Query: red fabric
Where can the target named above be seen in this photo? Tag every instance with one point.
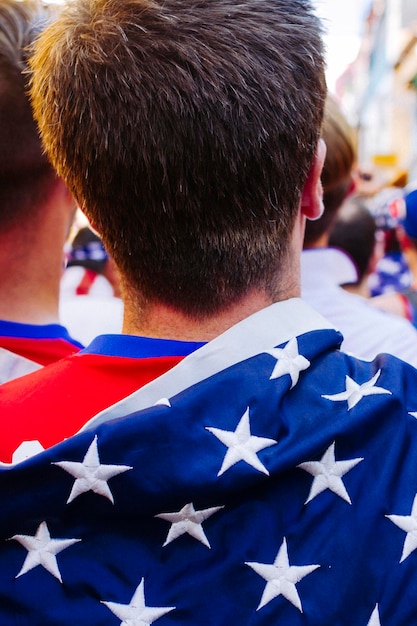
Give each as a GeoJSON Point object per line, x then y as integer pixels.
{"type": "Point", "coordinates": [42, 351]}
{"type": "Point", "coordinates": [55, 402]}
{"type": "Point", "coordinates": [85, 283]}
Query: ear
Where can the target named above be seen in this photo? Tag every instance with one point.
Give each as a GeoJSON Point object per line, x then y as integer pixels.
{"type": "Point", "coordinates": [312, 197]}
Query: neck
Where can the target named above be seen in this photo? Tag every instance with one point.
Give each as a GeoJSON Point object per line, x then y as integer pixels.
{"type": "Point", "coordinates": [158, 320]}
{"type": "Point", "coordinates": [31, 263]}
{"type": "Point", "coordinates": [161, 321]}
{"type": "Point", "coordinates": [30, 298]}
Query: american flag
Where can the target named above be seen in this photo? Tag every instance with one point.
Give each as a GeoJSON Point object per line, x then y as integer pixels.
{"type": "Point", "coordinates": [24, 348]}
{"type": "Point", "coordinates": [13, 365]}
{"type": "Point", "coordinates": [279, 490]}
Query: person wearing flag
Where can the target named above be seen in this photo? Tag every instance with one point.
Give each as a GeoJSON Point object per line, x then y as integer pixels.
{"type": "Point", "coordinates": [255, 474]}
{"type": "Point", "coordinates": [36, 212]}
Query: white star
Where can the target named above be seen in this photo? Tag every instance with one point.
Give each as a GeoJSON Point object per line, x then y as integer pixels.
{"type": "Point", "coordinates": [374, 621]}
{"type": "Point", "coordinates": [355, 392]}
{"type": "Point", "coordinates": [136, 613]}
{"type": "Point", "coordinates": [90, 474]}
{"type": "Point", "coordinates": [42, 550]}
{"type": "Point", "coordinates": [242, 446]}
{"type": "Point", "coordinates": [408, 523]}
{"type": "Point", "coordinates": [328, 474]}
{"type": "Point", "coordinates": [281, 578]}
{"type": "Point", "coordinates": [413, 413]}
{"type": "Point", "coordinates": [189, 521]}
{"type": "Point", "coordinates": [289, 361]}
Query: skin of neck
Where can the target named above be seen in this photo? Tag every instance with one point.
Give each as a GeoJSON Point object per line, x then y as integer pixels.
{"type": "Point", "coordinates": [31, 261]}
{"type": "Point", "coordinates": [158, 320]}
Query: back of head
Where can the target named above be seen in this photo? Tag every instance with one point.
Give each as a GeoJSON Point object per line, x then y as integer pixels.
{"type": "Point", "coordinates": [354, 232]}
{"type": "Point", "coordinates": [337, 170]}
{"type": "Point", "coordinates": [185, 129]}
{"type": "Point", "coordinates": [24, 168]}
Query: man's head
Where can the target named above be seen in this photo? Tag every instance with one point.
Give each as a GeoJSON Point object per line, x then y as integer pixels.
{"type": "Point", "coordinates": [25, 173]}
{"type": "Point", "coordinates": [186, 130]}
{"type": "Point", "coordinates": [337, 170]}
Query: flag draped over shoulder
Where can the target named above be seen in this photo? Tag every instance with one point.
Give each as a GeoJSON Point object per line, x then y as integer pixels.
{"type": "Point", "coordinates": [280, 490]}
{"type": "Point", "coordinates": [13, 365]}
{"type": "Point", "coordinates": [24, 348]}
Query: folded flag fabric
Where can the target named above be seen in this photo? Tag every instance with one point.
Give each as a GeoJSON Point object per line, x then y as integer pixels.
{"type": "Point", "coordinates": [24, 348]}
{"type": "Point", "coordinates": [279, 490]}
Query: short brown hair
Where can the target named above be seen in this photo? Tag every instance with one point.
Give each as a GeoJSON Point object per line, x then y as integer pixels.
{"type": "Point", "coordinates": [185, 129]}
{"type": "Point", "coordinates": [25, 172]}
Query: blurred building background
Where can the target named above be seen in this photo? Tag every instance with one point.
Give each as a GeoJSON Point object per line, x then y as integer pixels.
{"type": "Point", "coordinates": [378, 90]}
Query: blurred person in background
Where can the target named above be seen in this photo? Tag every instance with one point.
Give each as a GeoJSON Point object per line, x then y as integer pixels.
{"type": "Point", "coordinates": [89, 269]}
{"type": "Point", "coordinates": [402, 301]}
{"type": "Point", "coordinates": [366, 330]}
{"type": "Point", "coordinates": [355, 233]}
{"type": "Point", "coordinates": [36, 211]}
{"type": "Point", "coordinates": [90, 296]}
{"type": "Point", "coordinates": [392, 273]}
